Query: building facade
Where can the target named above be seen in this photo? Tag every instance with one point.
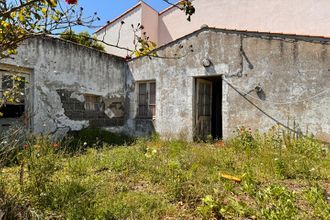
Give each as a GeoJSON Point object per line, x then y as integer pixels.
{"type": "Point", "coordinates": [206, 83]}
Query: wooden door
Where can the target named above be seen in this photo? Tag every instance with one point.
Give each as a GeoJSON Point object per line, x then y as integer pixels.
{"type": "Point", "coordinates": [203, 108]}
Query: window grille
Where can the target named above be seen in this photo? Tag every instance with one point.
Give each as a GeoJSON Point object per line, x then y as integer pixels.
{"type": "Point", "coordinates": [147, 99]}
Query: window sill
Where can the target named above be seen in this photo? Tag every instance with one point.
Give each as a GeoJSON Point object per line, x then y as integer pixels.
{"type": "Point", "coordinates": [146, 117]}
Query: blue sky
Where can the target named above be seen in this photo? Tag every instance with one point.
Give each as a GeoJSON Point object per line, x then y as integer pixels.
{"type": "Point", "coordinates": [110, 9]}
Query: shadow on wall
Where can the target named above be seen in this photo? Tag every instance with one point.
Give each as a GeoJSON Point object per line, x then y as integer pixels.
{"type": "Point", "coordinates": [144, 126]}
{"type": "Point", "coordinates": [91, 137]}
{"type": "Point", "coordinates": [164, 36]}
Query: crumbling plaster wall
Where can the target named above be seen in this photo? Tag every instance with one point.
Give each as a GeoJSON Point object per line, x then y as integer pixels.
{"type": "Point", "coordinates": [287, 69]}
{"type": "Point", "coordinates": [66, 71]}
{"type": "Point", "coordinates": [294, 76]}
{"type": "Point", "coordinates": [292, 72]}
{"type": "Point", "coordinates": [174, 76]}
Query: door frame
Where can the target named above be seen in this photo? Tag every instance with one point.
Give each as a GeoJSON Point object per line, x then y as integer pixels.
{"type": "Point", "coordinates": [28, 73]}
{"type": "Point", "coordinates": [196, 105]}
{"type": "Point", "coordinates": [212, 79]}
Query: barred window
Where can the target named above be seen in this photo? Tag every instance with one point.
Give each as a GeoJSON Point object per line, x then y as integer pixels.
{"type": "Point", "coordinates": [15, 84]}
{"type": "Point", "coordinates": [147, 99]}
{"type": "Point", "coordinates": [92, 102]}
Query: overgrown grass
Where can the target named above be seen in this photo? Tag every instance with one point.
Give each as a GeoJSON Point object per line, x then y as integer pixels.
{"type": "Point", "coordinates": [95, 138]}
{"type": "Point", "coordinates": [277, 177]}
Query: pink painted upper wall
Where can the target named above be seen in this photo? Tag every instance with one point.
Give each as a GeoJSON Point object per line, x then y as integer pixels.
{"type": "Point", "coordinates": [116, 33]}
{"type": "Point", "coordinates": [150, 22]}
{"type": "Point", "coordinates": [301, 17]}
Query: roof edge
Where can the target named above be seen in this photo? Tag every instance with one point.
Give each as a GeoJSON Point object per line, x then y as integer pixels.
{"type": "Point", "coordinates": [76, 44]}
{"type": "Point", "coordinates": [309, 38]}
{"type": "Point", "coordinates": [139, 4]}
{"type": "Point", "coordinates": [148, 5]}
{"type": "Point", "coordinates": [253, 33]}
{"type": "Point", "coordinates": [125, 13]}
{"type": "Point", "coordinates": [170, 7]}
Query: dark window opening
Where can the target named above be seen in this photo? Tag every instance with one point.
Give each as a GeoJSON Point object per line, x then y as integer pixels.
{"type": "Point", "coordinates": [7, 82]}
{"type": "Point", "coordinates": [93, 103]}
{"type": "Point", "coordinates": [15, 85]}
{"type": "Point", "coordinates": [12, 111]}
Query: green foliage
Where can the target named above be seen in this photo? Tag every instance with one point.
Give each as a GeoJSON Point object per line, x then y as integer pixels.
{"type": "Point", "coordinates": [145, 47]}
{"type": "Point", "coordinates": [42, 163]}
{"type": "Point", "coordinates": [210, 208]}
{"type": "Point", "coordinates": [276, 202]}
{"type": "Point", "coordinates": [244, 139]}
{"type": "Point", "coordinates": [155, 179]}
{"type": "Point", "coordinates": [20, 20]}
{"type": "Point", "coordinates": [11, 209]}
{"type": "Point", "coordinates": [11, 146]}
{"type": "Point", "coordinates": [316, 197]}
{"type": "Point", "coordinates": [135, 205]}
{"type": "Point", "coordinates": [188, 8]}
{"type": "Point", "coordinates": [83, 38]}
{"type": "Point", "coordinates": [95, 137]}
{"type": "Point", "coordinates": [25, 19]}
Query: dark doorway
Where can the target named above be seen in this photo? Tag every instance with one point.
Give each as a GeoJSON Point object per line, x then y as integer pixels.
{"type": "Point", "coordinates": [217, 108]}
{"type": "Point", "coordinates": [208, 108]}
{"type": "Point", "coordinates": [12, 111]}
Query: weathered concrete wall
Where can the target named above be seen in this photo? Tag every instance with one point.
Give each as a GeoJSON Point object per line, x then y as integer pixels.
{"type": "Point", "coordinates": [293, 73]}
{"type": "Point", "coordinates": [63, 73]}
{"type": "Point", "coordinates": [295, 80]}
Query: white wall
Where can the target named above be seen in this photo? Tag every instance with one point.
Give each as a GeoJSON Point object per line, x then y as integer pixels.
{"type": "Point", "coordinates": [110, 34]}
{"type": "Point", "coordinates": [59, 65]}
{"type": "Point", "coordinates": [140, 13]}
{"type": "Point", "coordinates": [302, 17]}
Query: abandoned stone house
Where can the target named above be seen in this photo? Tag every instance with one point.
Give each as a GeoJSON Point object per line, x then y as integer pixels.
{"type": "Point", "coordinates": [207, 82]}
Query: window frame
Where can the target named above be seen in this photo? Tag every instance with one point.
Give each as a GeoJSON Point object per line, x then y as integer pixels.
{"type": "Point", "coordinates": [25, 76]}
{"type": "Point", "coordinates": [151, 103]}
{"type": "Point", "coordinates": [27, 73]}
{"type": "Point", "coordinates": [92, 102]}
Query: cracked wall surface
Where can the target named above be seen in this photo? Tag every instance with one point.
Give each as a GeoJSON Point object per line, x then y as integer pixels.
{"type": "Point", "coordinates": [108, 112]}
{"type": "Point", "coordinates": [63, 68]}
{"type": "Point", "coordinates": [292, 72]}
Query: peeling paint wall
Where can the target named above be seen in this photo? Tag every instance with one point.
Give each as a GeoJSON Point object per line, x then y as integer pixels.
{"type": "Point", "coordinates": [62, 73]}
{"type": "Point", "coordinates": [293, 74]}
{"type": "Point", "coordinates": [286, 77]}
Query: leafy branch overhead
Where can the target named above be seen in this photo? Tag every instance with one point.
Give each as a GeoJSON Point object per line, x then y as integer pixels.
{"type": "Point", "coordinates": [184, 5]}
{"type": "Point", "coordinates": [143, 46]}
{"type": "Point", "coordinates": [188, 8]}
{"type": "Point", "coordinates": [24, 19]}
{"type": "Point", "coordinates": [83, 38]}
